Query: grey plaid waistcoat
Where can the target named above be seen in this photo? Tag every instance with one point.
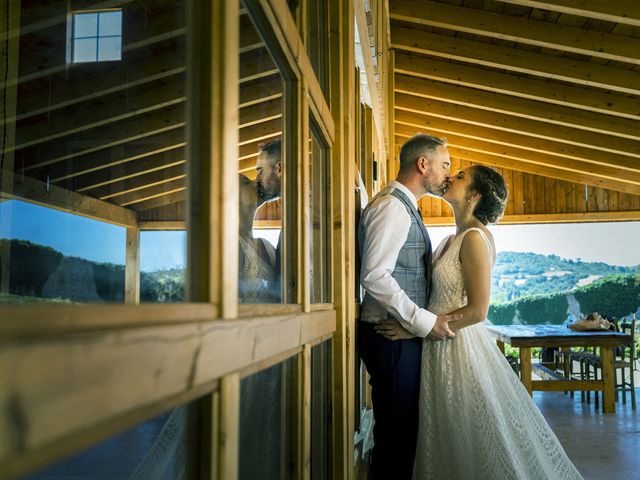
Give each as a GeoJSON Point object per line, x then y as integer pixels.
{"type": "Point", "coordinates": [413, 266]}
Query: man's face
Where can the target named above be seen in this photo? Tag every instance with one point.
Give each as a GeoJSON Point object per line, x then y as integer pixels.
{"type": "Point", "coordinates": [436, 176]}
{"type": "Point", "coordinates": [269, 178]}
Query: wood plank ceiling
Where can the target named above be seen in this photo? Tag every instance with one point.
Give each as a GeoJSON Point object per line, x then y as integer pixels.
{"type": "Point", "coordinates": [525, 85]}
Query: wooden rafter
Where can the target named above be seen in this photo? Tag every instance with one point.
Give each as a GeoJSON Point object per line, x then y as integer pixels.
{"type": "Point", "coordinates": [617, 11]}
{"type": "Point", "coordinates": [409, 123]}
{"type": "Point", "coordinates": [510, 123]}
{"type": "Point", "coordinates": [518, 86]}
{"type": "Point", "coordinates": [519, 107]}
{"type": "Point", "coordinates": [524, 61]}
{"type": "Point", "coordinates": [516, 29]}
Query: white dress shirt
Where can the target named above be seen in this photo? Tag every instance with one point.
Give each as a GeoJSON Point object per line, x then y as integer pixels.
{"type": "Point", "coordinates": [384, 229]}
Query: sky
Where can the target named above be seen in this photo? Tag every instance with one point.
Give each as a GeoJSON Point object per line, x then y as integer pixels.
{"type": "Point", "coordinates": [613, 243]}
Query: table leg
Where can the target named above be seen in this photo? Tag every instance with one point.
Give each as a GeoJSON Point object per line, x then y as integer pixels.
{"type": "Point", "coordinates": [500, 346]}
{"type": "Point", "coordinates": [608, 372]}
{"type": "Point", "coordinates": [525, 368]}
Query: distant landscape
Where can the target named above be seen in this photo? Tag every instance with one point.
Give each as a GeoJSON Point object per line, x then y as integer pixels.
{"type": "Point", "coordinates": [527, 288]}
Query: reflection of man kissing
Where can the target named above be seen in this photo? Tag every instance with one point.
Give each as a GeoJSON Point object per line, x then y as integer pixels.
{"type": "Point", "coordinates": [256, 259]}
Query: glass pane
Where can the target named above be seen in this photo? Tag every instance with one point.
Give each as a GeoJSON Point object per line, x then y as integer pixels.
{"type": "Point", "coordinates": [162, 266]}
{"type": "Point", "coordinates": [84, 50]}
{"type": "Point", "coordinates": [261, 170]}
{"type": "Point", "coordinates": [320, 236]}
{"type": "Point", "coordinates": [109, 48]}
{"type": "Point", "coordinates": [266, 423]}
{"type": "Point", "coordinates": [90, 151]}
{"type": "Point", "coordinates": [163, 448]}
{"type": "Point", "coordinates": [317, 40]}
{"type": "Point", "coordinates": [321, 451]}
{"type": "Point", "coordinates": [110, 23]}
{"type": "Point", "coordinates": [85, 25]}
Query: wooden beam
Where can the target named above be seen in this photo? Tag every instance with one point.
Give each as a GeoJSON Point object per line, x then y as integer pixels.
{"type": "Point", "coordinates": [509, 123]}
{"type": "Point", "coordinates": [255, 67]}
{"type": "Point", "coordinates": [129, 131]}
{"type": "Point", "coordinates": [161, 200]}
{"type": "Point", "coordinates": [260, 113]}
{"type": "Point", "coordinates": [132, 267]}
{"type": "Point", "coordinates": [155, 365]}
{"type": "Point", "coordinates": [104, 115]}
{"type": "Point", "coordinates": [99, 165]}
{"type": "Point", "coordinates": [68, 92]}
{"type": "Point", "coordinates": [409, 123]}
{"type": "Point", "coordinates": [270, 88]}
{"type": "Point", "coordinates": [229, 422]}
{"type": "Point", "coordinates": [518, 86]}
{"type": "Point", "coordinates": [260, 131]}
{"type": "Point", "coordinates": [48, 71]}
{"type": "Point", "coordinates": [517, 29]}
{"type": "Point", "coordinates": [52, 196]}
{"type": "Point", "coordinates": [150, 225]}
{"type": "Point", "coordinates": [539, 158]}
{"type": "Point", "coordinates": [520, 107]}
{"type": "Point", "coordinates": [139, 186]}
{"type": "Point", "coordinates": [160, 189]}
{"type": "Point", "coordinates": [521, 161]}
{"type": "Point", "coordinates": [616, 11]}
{"type": "Point", "coordinates": [129, 170]}
{"type": "Point", "coordinates": [538, 64]}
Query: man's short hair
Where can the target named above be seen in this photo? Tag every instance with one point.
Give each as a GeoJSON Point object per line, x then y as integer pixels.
{"type": "Point", "coordinates": [419, 144]}
{"type": "Point", "coordinates": [272, 150]}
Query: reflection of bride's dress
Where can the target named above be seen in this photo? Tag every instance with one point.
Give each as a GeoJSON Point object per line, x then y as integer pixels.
{"type": "Point", "coordinates": [477, 421]}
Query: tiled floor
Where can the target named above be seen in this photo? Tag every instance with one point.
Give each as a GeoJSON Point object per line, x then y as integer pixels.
{"type": "Point", "coordinates": [602, 446]}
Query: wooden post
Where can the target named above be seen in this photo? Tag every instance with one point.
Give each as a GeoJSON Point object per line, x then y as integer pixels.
{"type": "Point", "coordinates": [608, 378]}
{"type": "Point", "coordinates": [500, 346]}
{"type": "Point", "coordinates": [342, 82]}
{"type": "Point", "coordinates": [304, 414]}
{"type": "Point", "coordinates": [9, 46]}
{"type": "Point", "coordinates": [229, 428]}
{"type": "Point", "coordinates": [525, 368]}
{"type": "Point", "coordinates": [132, 267]}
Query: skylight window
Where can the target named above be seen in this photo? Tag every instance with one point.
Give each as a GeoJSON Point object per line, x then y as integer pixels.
{"type": "Point", "coordinates": [97, 36]}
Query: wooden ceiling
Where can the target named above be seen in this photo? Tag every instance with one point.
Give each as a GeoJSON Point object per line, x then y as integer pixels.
{"type": "Point", "coordinates": [525, 85]}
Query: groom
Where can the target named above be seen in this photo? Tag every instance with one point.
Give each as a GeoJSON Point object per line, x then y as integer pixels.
{"type": "Point", "coordinates": [396, 272]}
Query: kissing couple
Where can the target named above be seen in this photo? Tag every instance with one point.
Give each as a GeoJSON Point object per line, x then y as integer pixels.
{"type": "Point", "coordinates": [446, 403]}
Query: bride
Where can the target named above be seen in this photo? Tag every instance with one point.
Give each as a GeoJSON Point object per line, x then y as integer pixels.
{"type": "Point", "coordinates": [477, 421]}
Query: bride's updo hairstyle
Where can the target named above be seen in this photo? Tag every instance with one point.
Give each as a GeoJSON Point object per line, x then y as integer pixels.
{"type": "Point", "coordinates": [493, 194]}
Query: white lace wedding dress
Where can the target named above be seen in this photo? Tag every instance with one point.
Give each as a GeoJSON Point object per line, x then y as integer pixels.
{"type": "Point", "coordinates": [477, 421]}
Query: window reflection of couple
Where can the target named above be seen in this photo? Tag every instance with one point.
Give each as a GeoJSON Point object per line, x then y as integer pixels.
{"type": "Point", "coordinates": [259, 261]}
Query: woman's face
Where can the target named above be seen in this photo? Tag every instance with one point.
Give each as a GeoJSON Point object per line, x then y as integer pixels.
{"type": "Point", "coordinates": [249, 198]}
{"type": "Point", "coordinates": [457, 191]}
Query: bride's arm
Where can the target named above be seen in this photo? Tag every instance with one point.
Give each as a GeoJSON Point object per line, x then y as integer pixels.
{"type": "Point", "coordinates": [475, 258]}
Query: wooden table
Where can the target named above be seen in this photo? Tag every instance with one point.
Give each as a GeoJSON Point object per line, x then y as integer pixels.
{"type": "Point", "coordinates": [527, 336]}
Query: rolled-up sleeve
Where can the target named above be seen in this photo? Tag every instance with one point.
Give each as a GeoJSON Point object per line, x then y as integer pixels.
{"type": "Point", "coordinates": [387, 225]}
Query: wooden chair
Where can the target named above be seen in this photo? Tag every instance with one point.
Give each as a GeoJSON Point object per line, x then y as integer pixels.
{"type": "Point", "coordinates": [625, 359]}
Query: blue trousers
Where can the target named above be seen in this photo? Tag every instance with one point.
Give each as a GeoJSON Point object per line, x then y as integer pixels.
{"type": "Point", "coordinates": [394, 368]}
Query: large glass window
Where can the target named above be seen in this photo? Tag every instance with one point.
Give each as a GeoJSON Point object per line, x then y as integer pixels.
{"type": "Point", "coordinates": [163, 448]}
{"type": "Point", "coordinates": [89, 150]}
{"type": "Point", "coordinates": [266, 423]}
{"type": "Point", "coordinates": [321, 391]}
{"type": "Point", "coordinates": [261, 170]}
{"type": "Point", "coordinates": [319, 192]}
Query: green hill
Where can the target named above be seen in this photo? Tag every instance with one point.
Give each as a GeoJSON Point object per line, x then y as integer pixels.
{"type": "Point", "coordinates": [615, 296]}
{"type": "Point", "coordinates": [517, 275]}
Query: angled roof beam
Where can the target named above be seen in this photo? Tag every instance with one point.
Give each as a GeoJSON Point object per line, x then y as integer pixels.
{"type": "Point", "coordinates": [617, 11]}
{"type": "Point", "coordinates": [522, 61]}
{"type": "Point", "coordinates": [520, 107]}
{"type": "Point", "coordinates": [475, 153]}
{"type": "Point", "coordinates": [517, 29]}
{"type": "Point", "coordinates": [525, 126]}
{"type": "Point", "coordinates": [410, 123]}
{"type": "Point", "coordinates": [518, 86]}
